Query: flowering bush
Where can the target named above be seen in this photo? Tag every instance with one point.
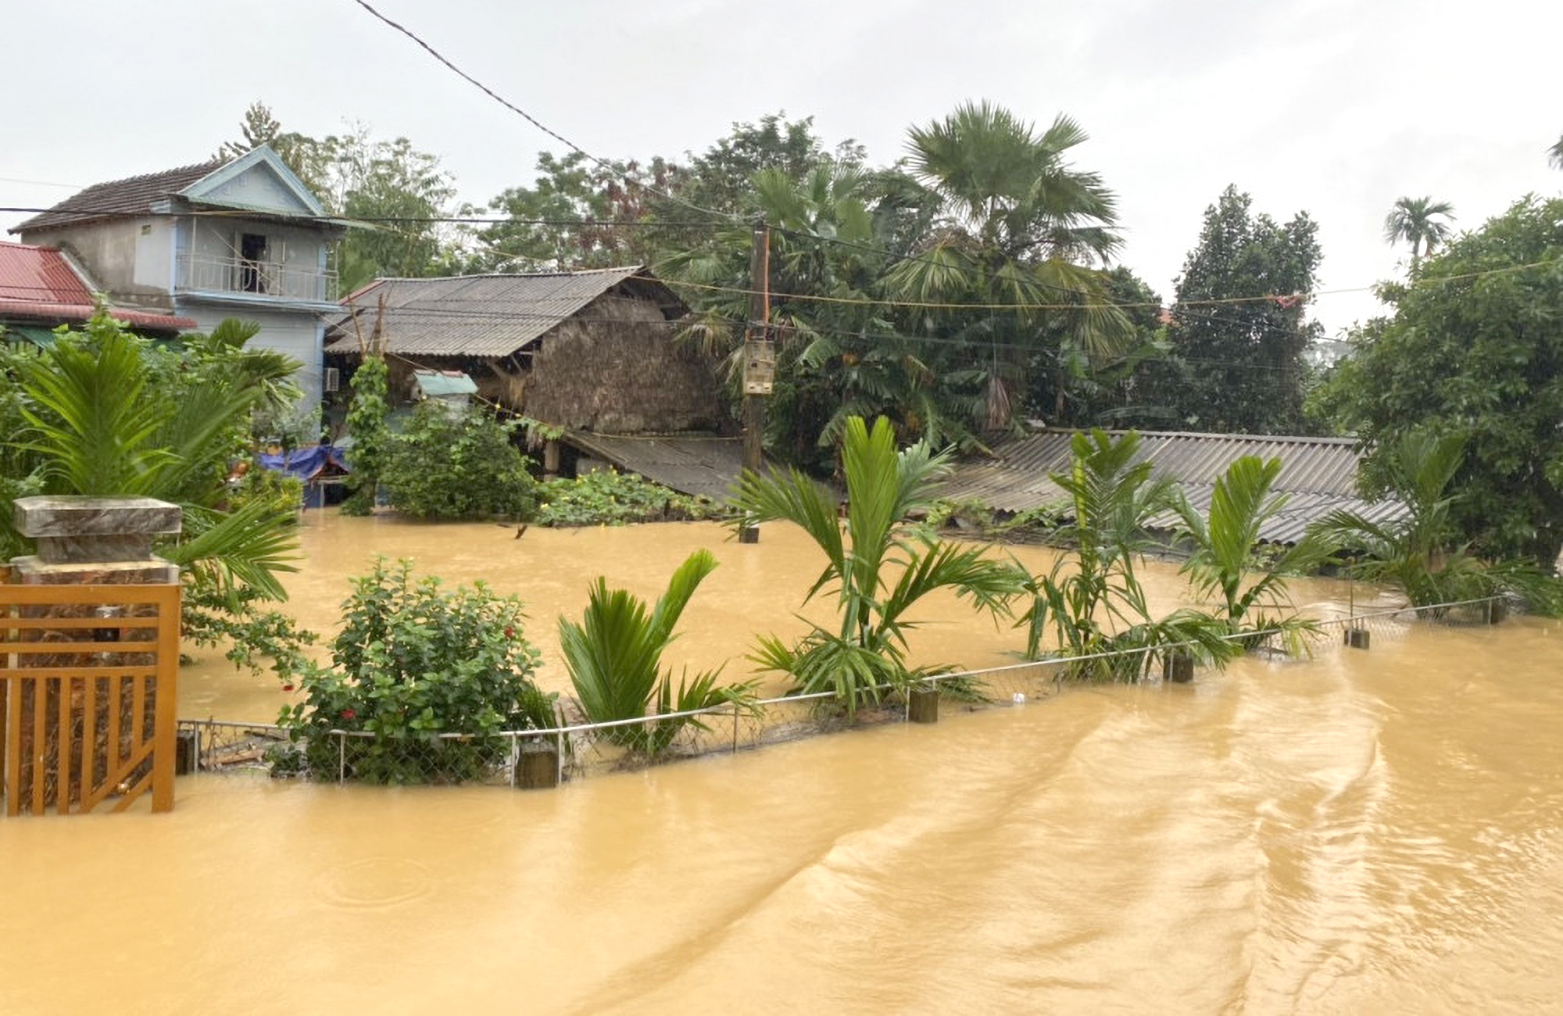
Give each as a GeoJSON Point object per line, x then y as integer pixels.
{"type": "Point", "coordinates": [413, 661]}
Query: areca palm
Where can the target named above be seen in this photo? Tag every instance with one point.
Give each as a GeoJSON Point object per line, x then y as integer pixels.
{"type": "Point", "coordinates": [880, 567]}
{"type": "Point", "coordinates": [1421, 222]}
{"type": "Point", "coordinates": [1223, 559]}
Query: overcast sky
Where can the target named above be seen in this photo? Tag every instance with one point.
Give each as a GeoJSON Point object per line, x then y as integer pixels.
{"type": "Point", "coordinates": [1336, 107]}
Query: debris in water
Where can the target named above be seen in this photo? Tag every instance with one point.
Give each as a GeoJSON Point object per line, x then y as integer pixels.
{"type": "Point", "coordinates": [1019, 698]}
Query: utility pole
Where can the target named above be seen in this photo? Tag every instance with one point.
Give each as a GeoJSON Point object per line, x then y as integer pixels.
{"type": "Point", "coordinates": [759, 360]}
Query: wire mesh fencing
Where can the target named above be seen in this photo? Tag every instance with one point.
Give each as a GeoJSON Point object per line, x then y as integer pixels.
{"type": "Point", "coordinates": [533, 759]}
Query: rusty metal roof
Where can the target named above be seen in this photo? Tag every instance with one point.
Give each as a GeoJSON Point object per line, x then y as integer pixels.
{"type": "Point", "coordinates": [482, 315]}
{"type": "Point", "coordinates": [39, 284]}
{"type": "Point", "coordinates": [131, 196]}
{"type": "Point", "coordinates": [1318, 473]}
{"type": "Point", "coordinates": [702, 464]}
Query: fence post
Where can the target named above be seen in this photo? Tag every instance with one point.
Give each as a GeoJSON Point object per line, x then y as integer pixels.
{"type": "Point", "coordinates": [735, 730]}
{"type": "Point", "coordinates": [341, 757]}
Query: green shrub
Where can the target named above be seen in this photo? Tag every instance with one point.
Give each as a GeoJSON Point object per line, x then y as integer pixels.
{"type": "Point", "coordinates": [614, 498]}
{"type": "Point", "coordinates": [279, 490]}
{"type": "Point", "coordinates": [413, 661]}
{"type": "Point", "coordinates": [461, 465]}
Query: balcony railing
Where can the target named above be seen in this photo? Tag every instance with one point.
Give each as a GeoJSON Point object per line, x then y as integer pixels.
{"type": "Point", "coordinates": [206, 274]}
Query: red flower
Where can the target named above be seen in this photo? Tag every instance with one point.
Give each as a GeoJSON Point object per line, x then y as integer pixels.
{"type": "Point", "coordinates": [348, 714]}
{"type": "Point", "coordinates": [287, 687]}
{"type": "Point", "coordinates": [510, 632]}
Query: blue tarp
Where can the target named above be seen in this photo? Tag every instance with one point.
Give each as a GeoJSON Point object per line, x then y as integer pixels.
{"type": "Point", "coordinates": [306, 463]}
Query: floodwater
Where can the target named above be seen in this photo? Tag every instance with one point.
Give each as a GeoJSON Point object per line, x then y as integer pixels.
{"type": "Point", "coordinates": [1368, 832]}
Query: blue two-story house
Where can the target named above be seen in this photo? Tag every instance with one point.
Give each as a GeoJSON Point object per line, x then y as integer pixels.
{"type": "Point", "coordinates": [243, 238]}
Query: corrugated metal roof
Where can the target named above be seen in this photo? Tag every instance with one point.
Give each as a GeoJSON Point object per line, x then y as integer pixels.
{"type": "Point", "coordinates": [1318, 473]}
{"type": "Point", "coordinates": [131, 196]}
{"type": "Point", "coordinates": [480, 315]}
{"type": "Point", "coordinates": [38, 283]}
{"type": "Point", "coordinates": [701, 464]}
{"type": "Point", "coordinates": [437, 384]}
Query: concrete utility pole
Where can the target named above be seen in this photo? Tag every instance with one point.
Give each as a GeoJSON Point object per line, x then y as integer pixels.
{"type": "Point", "coordinates": [759, 360]}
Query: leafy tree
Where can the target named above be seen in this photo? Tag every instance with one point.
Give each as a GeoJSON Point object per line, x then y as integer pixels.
{"type": "Point", "coordinates": [615, 661]}
{"type": "Point", "coordinates": [456, 465]}
{"type": "Point", "coordinates": [1239, 326]}
{"type": "Point", "coordinates": [304, 155]}
{"type": "Point", "coordinates": [879, 571]}
{"type": "Point", "coordinates": [1475, 347]}
{"type": "Point", "coordinates": [1555, 154]}
{"type": "Point", "coordinates": [1421, 222]}
{"type": "Point", "coordinates": [719, 178]}
{"type": "Point", "coordinates": [1420, 554]}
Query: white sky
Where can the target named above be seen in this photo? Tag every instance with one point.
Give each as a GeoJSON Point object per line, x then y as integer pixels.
{"type": "Point", "coordinates": [1333, 106]}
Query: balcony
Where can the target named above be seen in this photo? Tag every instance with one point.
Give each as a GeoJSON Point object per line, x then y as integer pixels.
{"type": "Point", "coordinates": [199, 273]}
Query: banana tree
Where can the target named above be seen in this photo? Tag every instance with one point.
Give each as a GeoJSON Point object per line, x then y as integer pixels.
{"type": "Point", "coordinates": [879, 567]}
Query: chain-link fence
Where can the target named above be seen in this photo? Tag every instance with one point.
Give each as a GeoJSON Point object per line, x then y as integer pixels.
{"type": "Point", "coordinates": [545, 758]}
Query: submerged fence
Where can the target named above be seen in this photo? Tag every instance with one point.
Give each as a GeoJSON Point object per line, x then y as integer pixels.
{"type": "Point", "coordinates": [546, 758]}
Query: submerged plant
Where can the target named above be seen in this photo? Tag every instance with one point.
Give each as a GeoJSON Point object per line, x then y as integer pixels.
{"type": "Point", "coordinates": [879, 568]}
{"type": "Point", "coordinates": [615, 661]}
{"type": "Point", "coordinates": [1223, 561]}
{"type": "Point", "coordinates": [1095, 606]}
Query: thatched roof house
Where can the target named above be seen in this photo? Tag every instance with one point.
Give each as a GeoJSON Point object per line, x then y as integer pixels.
{"type": "Point", "coordinates": [589, 352]}
{"type": "Point", "coordinates": [1319, 474]}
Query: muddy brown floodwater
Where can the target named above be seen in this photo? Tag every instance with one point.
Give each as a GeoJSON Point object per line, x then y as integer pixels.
{"type": "Point", "coordinates": [1368, 832]}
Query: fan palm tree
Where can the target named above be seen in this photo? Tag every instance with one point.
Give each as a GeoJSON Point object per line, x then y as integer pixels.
{"type": "Point", "coordinates": [1421, 222]}
{"type": "Point", "coordinates": [1023, 227]}
{"type": "Point", "coordinates": [880, 568]}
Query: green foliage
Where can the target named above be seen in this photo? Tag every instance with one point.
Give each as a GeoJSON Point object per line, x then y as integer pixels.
{"type": "Point", "coordinates": [1242, 364]}
{"type": "Point", "coordinates": [615, 661]}
{"type": "Point", "coordinates": [608, 497]}
{"type": "Point", "coordinates": [1223, 561]}
{"type": "Point", "coordinates": [1421, 555]}
{"type": "Point", "coordinates": [366, 422]}
{"type": "Point", "coordinates": [880, 568]}
{"type": "Point", "coordinates": [1095, 606]}
{"type": "Point", "coordinates": [1475, 347]}
{"type": "Point", "coordinates": [280, 491]}
{"type": "Point", "coordinates": [253, 637]}
{"type": "Point", "coordinates": [456, 465]}
{"type": "Point", "coordinates": [413, 661]}
{"type": "Point", "coordinates": [107, 413]}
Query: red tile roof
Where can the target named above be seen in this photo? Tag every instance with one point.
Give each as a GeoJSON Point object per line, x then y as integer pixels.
{"type": "Point", "coordinates": [37, 283]}
{"type": "Point", "coordinates": [130, 196]}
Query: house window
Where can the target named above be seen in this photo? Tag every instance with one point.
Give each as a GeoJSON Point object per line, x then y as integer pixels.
{"type": "Point", "coordinates": [252, 251]}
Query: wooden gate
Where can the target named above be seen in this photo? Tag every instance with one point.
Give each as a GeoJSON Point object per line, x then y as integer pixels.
{"type": "Point", "coordinates": [89, 678]}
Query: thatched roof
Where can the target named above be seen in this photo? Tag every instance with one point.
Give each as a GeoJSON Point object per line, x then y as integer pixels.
{"type": "Point", "coordinates": [486, 315]}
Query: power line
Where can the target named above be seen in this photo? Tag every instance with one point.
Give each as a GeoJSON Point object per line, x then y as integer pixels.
{"type": "Point", "coordinates": [529, 117]}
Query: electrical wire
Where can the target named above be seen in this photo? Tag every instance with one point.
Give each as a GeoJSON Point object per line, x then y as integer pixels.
{"type": "Point", "coordinates": [529, 117]}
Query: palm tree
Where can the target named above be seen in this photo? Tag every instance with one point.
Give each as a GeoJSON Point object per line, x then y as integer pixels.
{"type": "Point", "coordinates": [101, 424]}
{"type": "Point", "coordinates": [614, 657]}
{"type": "Point", "coordinates": [1417, 554]}
{"type": "Point", "coordinates": [1421, 222]}
{"type": "Point", "coordinates": [880, 569]}
{"type": "Point", "coordinates": [1023, 227]}
{"type": "Point", "coordinates": [1094, 604]}
{"type": "Point", "coordinates": [1555, 155]}
{"type": "Point", "coordinates": [1223, 560]}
